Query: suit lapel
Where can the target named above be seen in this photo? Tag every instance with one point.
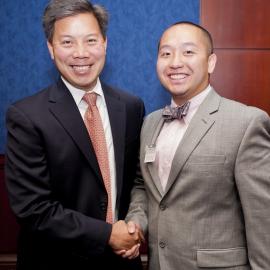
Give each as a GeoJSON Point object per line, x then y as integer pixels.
{"type": "Point", "coordinates": [156, 128]}
{"type": "Point", "coordinates": [63, 107]}
{"type": "Point", "coordinates": [117, 114]}
{"type": "Point", "coordinates": [202, 121]}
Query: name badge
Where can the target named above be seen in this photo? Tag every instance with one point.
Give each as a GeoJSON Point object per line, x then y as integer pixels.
{"type": "Point", "coordinates": [150, 153]}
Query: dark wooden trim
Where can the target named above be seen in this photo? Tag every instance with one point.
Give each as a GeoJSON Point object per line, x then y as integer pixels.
{"type": "Point", "coordinates": [8, 225]}
{"type": "Point", "coordinates": [2, 162]}
{"type": "Point", "coordinates": [8, 261]}
{"type": "Point", "coordinates": [144, 259]}
{"type": "Point", "coordinates": [8, 258]}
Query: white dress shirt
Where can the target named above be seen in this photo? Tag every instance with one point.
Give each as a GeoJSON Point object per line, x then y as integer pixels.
{"type": "Point", "coordinates": [171, 135]}
{"type": "Point", "coordinates": [101, 105]}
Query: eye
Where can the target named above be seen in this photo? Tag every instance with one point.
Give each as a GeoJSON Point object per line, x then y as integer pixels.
{"type": "Point", "coordinates": [188, 52]}
{"type": "Point", "coordinates": [165, 54]}
{"type": "Point", "coordinates": [92, 41]}
{"type": "Point", "coordinates": [66, 43]}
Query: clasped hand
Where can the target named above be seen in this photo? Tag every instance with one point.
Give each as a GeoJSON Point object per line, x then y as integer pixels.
{"type": "Point", "coordinates": [126, 238]}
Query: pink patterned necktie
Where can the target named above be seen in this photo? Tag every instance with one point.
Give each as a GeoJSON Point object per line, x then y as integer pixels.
{"type": "Point", "coordinates": [96, 132]}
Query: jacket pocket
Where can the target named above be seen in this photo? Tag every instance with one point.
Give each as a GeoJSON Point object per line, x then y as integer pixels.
{"type": "Point", "coordinates": [222, 257]}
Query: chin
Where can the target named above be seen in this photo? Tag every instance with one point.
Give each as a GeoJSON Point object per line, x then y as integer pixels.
{"type": "Point", "coordinates": [177, 92]}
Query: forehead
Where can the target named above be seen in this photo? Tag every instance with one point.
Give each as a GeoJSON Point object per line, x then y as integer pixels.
{"type": "Point", "coordinates": [77, 22]}
{"type": "Point", "coordinates": [182, 34]}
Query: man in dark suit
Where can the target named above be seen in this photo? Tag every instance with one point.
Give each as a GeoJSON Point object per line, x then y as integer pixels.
{"type": "Point", "coordinates": [53, 172]}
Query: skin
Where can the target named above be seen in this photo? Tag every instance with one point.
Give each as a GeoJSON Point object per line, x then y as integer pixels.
{"type": "Point", "coordinates": [134, 251]}
{"type": "Point", "coordinates": [122, 239]}
{"type": "Point", "coordinates": [78, 50]}
{"type": "Point", "coordinates": [184, 63]}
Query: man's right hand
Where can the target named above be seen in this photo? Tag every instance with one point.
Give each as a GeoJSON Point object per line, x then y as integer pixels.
{"type": "Point", "coordinates": [124, 237]}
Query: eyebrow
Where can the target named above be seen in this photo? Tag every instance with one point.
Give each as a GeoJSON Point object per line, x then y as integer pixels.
{"type": "Point", "coordinates": [166, 46]}
{"type": "Point", "coordinates": [189, 44]}
{"type": "Point", "coordinates": [72, 36]}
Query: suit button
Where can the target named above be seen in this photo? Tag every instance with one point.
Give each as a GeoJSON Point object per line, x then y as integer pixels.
{"type": "Point", "coordinates": [162, 207]}
{"type": "Point", "coordinates": [103, 206]}
{"type": "Point", "coordinates": [162, 244]}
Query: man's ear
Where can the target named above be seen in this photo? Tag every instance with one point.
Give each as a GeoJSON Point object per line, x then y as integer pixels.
{"type": "Point", "coordinates": [50, 48]}
{"type": "Point", "coordinates": [212, 59]}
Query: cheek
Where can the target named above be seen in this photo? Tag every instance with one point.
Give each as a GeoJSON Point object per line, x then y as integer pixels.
{"type": "Point", "coordinates": [199, 67]}
{"type": "Point", "coordinates": [160, 67]}
{"type": "Point", "coordinates": [61, 55]}
{"type": "Point", "coordinates": [98, 52]}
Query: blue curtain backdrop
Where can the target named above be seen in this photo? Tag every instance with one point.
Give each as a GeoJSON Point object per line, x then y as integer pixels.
{"type": "Point", "coordinates": [135, 27]}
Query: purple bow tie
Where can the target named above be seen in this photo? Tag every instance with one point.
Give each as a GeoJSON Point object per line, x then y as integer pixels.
{"type": "Point", "coordinates": [170, 113]}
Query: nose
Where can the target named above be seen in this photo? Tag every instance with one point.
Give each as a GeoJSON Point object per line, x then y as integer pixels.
{"type": "Point", "coordinates": [80, 51]}
{"type": "Point", "coordinates": [177, 60]}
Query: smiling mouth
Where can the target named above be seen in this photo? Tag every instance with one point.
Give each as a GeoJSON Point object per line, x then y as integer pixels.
{"type": "Point", "coordinates": [178, 76]}
{"type": "Point", "coordinates": [81, 68]}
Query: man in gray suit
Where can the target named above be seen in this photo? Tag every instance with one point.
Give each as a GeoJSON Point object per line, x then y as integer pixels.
{"type": "Point", "coordinates": [204, 196]}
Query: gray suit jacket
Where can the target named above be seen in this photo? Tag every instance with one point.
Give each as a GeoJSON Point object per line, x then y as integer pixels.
{"type": "Point", "coordinates": [215, 211]}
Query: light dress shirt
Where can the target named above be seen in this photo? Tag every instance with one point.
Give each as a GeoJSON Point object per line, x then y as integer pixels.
{"type": "Point", "coordinates": [171, 135]}
{"type": "Point", "coordinates": [101, 105]}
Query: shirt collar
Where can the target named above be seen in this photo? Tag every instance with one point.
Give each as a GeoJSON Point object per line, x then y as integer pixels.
{"type": "Point", "coordinates": [79, 93]}
{"type": "Point", "coordinates": [195, 102]}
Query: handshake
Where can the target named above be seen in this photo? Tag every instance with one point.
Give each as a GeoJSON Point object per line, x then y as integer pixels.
{"type": "Point", "coordinates": [126, 238]}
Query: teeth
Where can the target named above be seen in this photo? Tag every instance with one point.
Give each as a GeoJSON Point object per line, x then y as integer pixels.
{"type": "Point", "coordinates": [177, 76]}
{"type": "Point", "coordinates": [81, 68]}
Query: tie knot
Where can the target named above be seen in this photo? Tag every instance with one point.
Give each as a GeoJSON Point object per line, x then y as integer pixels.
{"type": "Point", "coordinates": [170, 113]}
{"type": "Point", "coordinates": [90, 98]}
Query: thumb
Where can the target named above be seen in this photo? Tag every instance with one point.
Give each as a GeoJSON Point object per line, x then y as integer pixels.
{"type": "Point", "coordinates": [131, 226]}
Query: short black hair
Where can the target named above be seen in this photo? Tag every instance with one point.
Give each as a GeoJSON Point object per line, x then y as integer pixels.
{"type": "Point", "coordinates": [204, 31]}
{"type": "Point", "coordinates": [59, 9]}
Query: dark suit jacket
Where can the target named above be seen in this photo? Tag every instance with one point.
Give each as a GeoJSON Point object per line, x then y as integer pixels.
{"type": "Point", "coordinates": [54, 182]}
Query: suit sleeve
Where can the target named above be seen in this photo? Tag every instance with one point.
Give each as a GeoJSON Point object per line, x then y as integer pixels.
{"type": "Point", "coordinates": [138, 205]}
{"type": "Point", "coordinates": [252, 174]}
{"type": "Point", "coordinates": [31, 197]}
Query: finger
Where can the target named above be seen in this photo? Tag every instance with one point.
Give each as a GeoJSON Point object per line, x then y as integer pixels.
{"type": "Point", "coordinates": [131, 252]}
{"type": "Point", "coordinates": [135, 253]}
{"type": "Point", "coordinates": [141, 236]}
{"type": "Point", "coordinates": [120, 252]}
